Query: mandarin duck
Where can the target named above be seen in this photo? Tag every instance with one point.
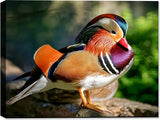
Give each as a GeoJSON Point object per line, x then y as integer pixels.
{"type": "Point", "coordinates": [101, 56]}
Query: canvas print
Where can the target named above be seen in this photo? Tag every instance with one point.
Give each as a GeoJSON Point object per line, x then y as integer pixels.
{"type": "Point", "coordinates": [79, 59]}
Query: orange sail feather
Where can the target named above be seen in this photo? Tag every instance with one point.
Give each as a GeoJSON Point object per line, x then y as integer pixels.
{"type": "Point", "coordinates": [45, 56]}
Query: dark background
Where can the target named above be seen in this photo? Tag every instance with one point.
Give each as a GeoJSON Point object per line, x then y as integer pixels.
{"type": "Point", "coordinates": [29, 25]}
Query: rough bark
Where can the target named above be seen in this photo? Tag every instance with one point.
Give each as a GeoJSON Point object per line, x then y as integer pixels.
{"type": "Point", "coordinates": [122, 108]}
{"type": "Point", "coordinates": [59, 103]}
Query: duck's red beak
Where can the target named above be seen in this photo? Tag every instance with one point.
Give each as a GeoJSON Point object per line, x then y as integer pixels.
{"type": "Point", "coordinates": [123, 42]}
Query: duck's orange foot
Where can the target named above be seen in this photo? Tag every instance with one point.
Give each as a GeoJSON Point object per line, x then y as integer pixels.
{"type": "Point", "coordinates": [97, 108]}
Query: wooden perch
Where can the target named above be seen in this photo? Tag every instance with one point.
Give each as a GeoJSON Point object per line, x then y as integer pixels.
{"type": "Point", "coordinates": [122, 108]}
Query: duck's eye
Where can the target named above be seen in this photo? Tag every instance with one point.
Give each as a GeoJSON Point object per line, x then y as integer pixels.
{"type": "Point", "coordinates": [113, 32]}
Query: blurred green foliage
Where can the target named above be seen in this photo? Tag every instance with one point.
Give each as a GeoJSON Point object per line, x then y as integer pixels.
{"type": "Point", "coordinates": [32, 24]}
{"type": "Point", "coordinates": [141, 82]}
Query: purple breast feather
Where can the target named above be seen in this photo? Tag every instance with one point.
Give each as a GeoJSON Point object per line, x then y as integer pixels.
{"type": "Point", "coordinates": [121, 57]}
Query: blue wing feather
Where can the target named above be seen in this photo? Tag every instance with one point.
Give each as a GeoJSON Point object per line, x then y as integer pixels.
{"type": "Point", "coordinates": [72, 48]}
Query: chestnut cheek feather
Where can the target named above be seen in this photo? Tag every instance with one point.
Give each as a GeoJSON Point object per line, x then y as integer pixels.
{"type": "Point", "coordinates": [121, 57]}
{"type": "Point", "coordinates": [100, 42]}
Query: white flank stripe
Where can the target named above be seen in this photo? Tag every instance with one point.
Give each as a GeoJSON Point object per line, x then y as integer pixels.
{"type": "Point", "coordinates": [111, 64]}
{"type": "Point", "coordinates": [105, 64]}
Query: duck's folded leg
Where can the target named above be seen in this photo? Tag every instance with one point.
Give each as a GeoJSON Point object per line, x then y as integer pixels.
{"type": "Point", "coordinates": [86, 101]}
